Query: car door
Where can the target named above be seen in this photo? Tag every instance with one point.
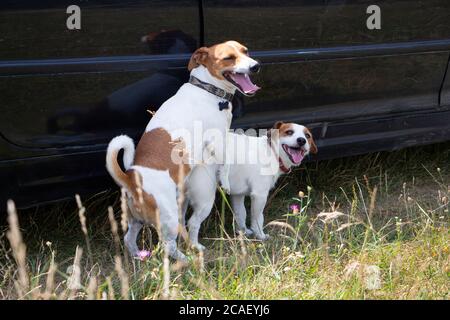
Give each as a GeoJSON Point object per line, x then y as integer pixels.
{"type": "Point", "coordinates": [322, 65]}
{"type": "Point", "coordinates": [64, 93]}
{"type": "Point", "coordinates": [63, 88]}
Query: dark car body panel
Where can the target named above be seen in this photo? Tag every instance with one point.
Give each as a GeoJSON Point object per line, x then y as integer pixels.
{"type": "Point", "coordinates": [64, 94]}
{"type": "Point", "coordinates": [72, 87]}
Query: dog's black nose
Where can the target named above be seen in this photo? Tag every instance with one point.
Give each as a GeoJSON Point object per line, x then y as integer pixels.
{"type": "Point", "coordinates": [255, 68]}
{"type": "Point", "coordinates": [301, 141]}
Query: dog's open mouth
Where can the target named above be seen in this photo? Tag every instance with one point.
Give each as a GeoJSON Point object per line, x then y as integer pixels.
{"type": "Point", "coordinates": [242, 81]}
{"type": "Point", "coordinates": [296, 155]}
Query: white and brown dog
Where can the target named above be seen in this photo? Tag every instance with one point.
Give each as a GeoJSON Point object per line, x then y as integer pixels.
{"type": "Point", "coordinates": [254, 164]}
{"type": "Point", "coordinates": [177, 135]}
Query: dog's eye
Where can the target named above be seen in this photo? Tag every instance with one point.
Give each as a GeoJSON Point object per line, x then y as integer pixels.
{"type": "Point", "coordinates": [308, 136]}
{"type": "Point", "coordinates": [228, 58]}
{"type": "Point", "coordinates": [289, 132]}
{"type": "Point", "coordinates": [245, 51]}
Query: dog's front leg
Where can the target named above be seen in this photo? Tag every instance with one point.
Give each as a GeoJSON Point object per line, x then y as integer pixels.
{"type": "Point", "coordinates": [184, 208]}
{"type": "Point", "coordinates": [202, 190]}
{"type": "Point", "coordinates": [169, 233]}
{"type": "Point", "coordinates": [257, 217]}
{"type": "Point", "coordinates": [224, 172]}
{"type": "Point", "coordinates": [240, 214]}
{"type": "Point", "coordinates": [169, 221]}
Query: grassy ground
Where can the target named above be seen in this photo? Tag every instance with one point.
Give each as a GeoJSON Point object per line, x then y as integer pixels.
{"type": "Point", "coordinates": [368, 227]}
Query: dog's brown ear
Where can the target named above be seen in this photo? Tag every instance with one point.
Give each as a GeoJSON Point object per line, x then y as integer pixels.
{"type": "Point", "coordinates": [198, 58]}
{"type": "Point", "coordinates": [313, 147]}
{"type": "Point", "coordinates": [278, 124]}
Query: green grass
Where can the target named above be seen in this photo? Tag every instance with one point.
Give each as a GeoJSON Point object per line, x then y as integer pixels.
{"type": "Point", "coordinates": [390, 240]}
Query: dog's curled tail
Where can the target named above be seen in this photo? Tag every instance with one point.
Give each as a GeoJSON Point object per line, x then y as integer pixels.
{"type": "Point", "coordinates": [120, 142]}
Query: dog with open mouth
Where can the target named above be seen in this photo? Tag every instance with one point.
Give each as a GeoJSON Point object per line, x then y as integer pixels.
{"type": "Point", "coordinates": [170, 155]}
{"type": "Point", "coordinates": [254, 164]}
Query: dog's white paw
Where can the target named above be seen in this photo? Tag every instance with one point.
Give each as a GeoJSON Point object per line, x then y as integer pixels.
{"type": "Point", "coordinates": [198, 246]}
{"type": "Point", "coordinates": [262, 236]}
{"type": "Point", "coordinates": [180, 257]}
{"type": "Point", "coordinates": [248, 232]}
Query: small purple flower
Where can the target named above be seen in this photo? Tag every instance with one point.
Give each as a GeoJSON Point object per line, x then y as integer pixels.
{"type": "Point", "coordinates": [143, 255]}
{"type": "Point", "coordinates": [295, 208]}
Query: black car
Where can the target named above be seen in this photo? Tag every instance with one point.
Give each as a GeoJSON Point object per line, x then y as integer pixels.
{"type": "Point", "coordinates": [65, 92]}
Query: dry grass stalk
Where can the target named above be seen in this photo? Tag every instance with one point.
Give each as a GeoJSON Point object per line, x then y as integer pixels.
{"type": "Point", "coordinates": [230, 274]}
{"type": "Point", "coordinates": [347, 225]}
{"type": "Point", "coordinates": [181, 227]}
{"type": "Point", "coordinates": [92, 289]}
{"type": "Point", "coordinates": [116, 237]}
{"type": "Point", "coordinates": [74, 281]}
{"type": "Point", "coordinates": [330, 216]}
{"type": "Point", "coordinates": [111, 294]}
{"type": "Point", "coordinates": [166, 274]}
{"type": "Point", "coordinates": [158, 225]}
{"type": "Point", "coordinates": [124, 220]}
{"type": "Point", "coordinates": [82, 216]}
{"type": "Point", "coordinates": [201, 262]}
{"type": "Point", "coordinates": [114, 230]}
{"type": "Point", "coordinates": [243, 247]}
{"type": "Point", "coordinates": [373, 197]}
{"type": "Point", "coordinates": [18, 249]}
{"type": "Point", "coordinates": [137, 178]}
{"type": "Point", "coordinates": [124, 284]}
{"type": "Point", "coordinates": [124, 209]}
{"type": "Point", "coordinates": [283, 225]}
{"type": "Point", "coordinates": [81, 213]}
{"type": "Point", "coordinates": [50, 281]}
{"type": "Point", "coordinates": [166, 263]}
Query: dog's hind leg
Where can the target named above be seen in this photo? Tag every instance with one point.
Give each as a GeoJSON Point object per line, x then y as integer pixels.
{"type": "Point", "coordinates": [169, 239]}
{"type": "Point", "coordinates": [202, 190]}
{"type": "Point", "coordinates": [240, 214]}
{"type": "Point", "coordinates": [257, 218]}
{"type": "Point", "coordinates": [201, 212]}
{"type": "Point", "coordinates": [168, 224]}
{"type": "Point", "coordinates": [130, 239]}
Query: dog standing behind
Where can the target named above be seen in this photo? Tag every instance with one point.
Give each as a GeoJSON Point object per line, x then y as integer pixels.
{"type": "Point", "coordinates": [254, 164]}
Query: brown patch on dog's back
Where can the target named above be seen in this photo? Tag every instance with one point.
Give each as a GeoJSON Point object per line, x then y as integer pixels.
{"type": "Point", "coordinates": [144, 204]}
{"type": "Point", "coordinates": [155, 149]}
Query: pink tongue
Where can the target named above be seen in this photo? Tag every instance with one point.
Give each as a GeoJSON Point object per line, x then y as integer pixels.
{"type": "Point", "coordinates": [297, 156]}
{"type": "Point", "coordinates": [244, 81]}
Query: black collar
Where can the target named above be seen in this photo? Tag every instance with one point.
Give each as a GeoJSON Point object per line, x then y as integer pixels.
{"type": "Point", "coordinates": [211, 88]}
